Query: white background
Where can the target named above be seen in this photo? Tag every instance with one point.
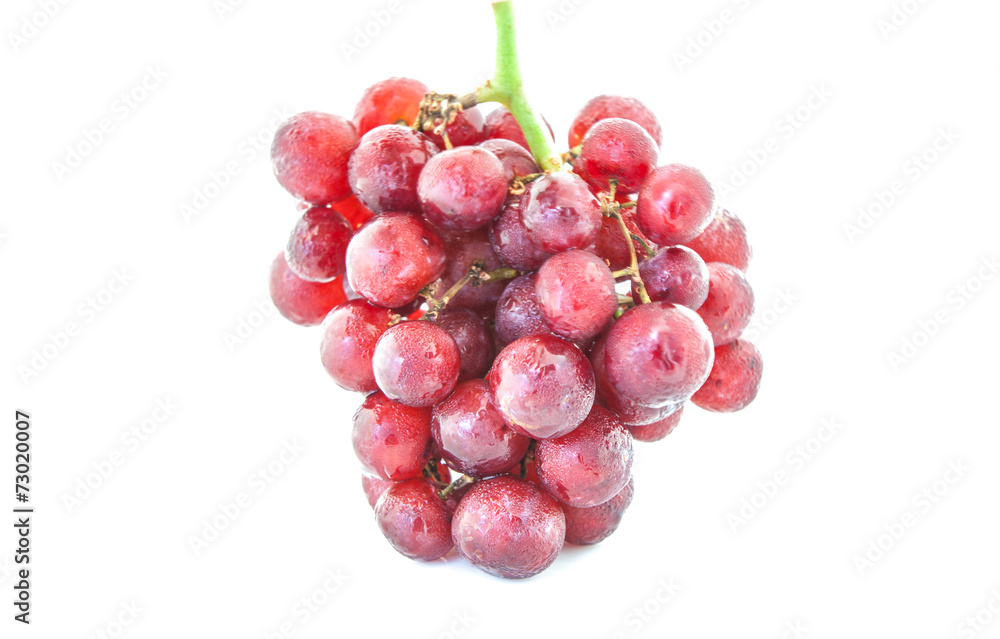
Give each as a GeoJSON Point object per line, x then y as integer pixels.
{"type": "Point", "coordinates": [833, 305]}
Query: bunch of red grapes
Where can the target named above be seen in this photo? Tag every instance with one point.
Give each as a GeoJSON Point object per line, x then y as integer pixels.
{"type": "Point", "coordinates": [512, 329]}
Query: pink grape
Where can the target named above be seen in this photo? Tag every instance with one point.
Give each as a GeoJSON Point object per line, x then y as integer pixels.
{"type": "Point", "coordinates": [350, 333]}
{"type": "Point", "coordinates": [310, 154]}
{"type": "Point", "coordinates": [586, 526]}
{"type": "Point", "coordinates": [657, 430]}
{"type": "Point", "coordinates": [730, 303]}
{"type": "Point", "coordinates": [415, 520]}
{"type": "Point", "coordinates": [560, 213]}
{"type": "Point", "coordinates": [588, 466]}
{"type": "Point", "coordinates": [391, 440]}
{"type": "Point", "coordinates": [675, 204]}
{"type": "Point", "coordinates": [725, 240]}
{"type": "Point", "coordinates": [734, 380]}
{"type": "Point", "coordinates": [385, 168]}
{"type": "Point", "coordinates": [613, 106]}
{"type": "Point", "coordinates": [416, 363]}
{"type": "Point", "coordinates": [471, 433]}
{"type": "Point", "coordinates": [462, 189]}
{"type": "Point", "coordinates": [317, 247]}
{"type": "Point", "coordinates": [658, 353]}
{"type": "Point", "coordinates": [576, 294]}
{"type": "Point", "coordinates": [543, 386]}
{"type": "Point", "coordinates": [393, 257]}
{"type": "Point", "coordinates": [508, 527]}
{"type": "Point", "coordinates": [617, 150]}
{"type": "Point", "coordinates": [300, 301]}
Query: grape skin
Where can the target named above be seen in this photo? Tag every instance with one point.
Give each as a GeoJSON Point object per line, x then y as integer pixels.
{"type": "Point", "coordinates": [416, 363]}
{"type": "Point", "coordinates": [658, 354]}
{"type": "Point", "coordinates": [543, 386]}
{"type": "Point", "coordinates": [471, 433]}
{"type": "Point", "coordinates": [347, 345]}
{"type": "Point", "coordinates": [576, 294]}
{"type": "Point", "coordinates": [735, 378]}
{"type": "Point", "coordinates": [587, 526]}
{"type": "Point", "coordinates": [309, 156]}
{"type": "Point", "coordinates": [588, 466]}
{"type": "Point", "coordinates": [730, 303]}
{"type": "Point", "coordinates": [508, 527]}
{"type": "Point", "coordinates": [393, 257]}
{"type": "Point", "coordinates": [300, 301]}
{"type": "Point", "coordinates": [391, 440]}
{"type": "Point", "coordinates": [384, 169]}
{"type": "Point", "coordinates": [415, 520]}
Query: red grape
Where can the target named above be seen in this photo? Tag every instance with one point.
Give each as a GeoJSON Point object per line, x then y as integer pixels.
{"type": "Point", "coordinates": [309, 155]}
{"type": "Point", "coordinates": [318, 245]}
{"type": "Point", "coordinates": [734, 379]}
{"type": "Point", "coordinates": [416, 363]}
{"type": "Point", "coordinates": [468, 128]}
{"type": "Point", "coordinates": [510, 240]}
{"type": "Point", "coordinates": [516, 159]}
{"type": "Point", "coordinates": [729, 307]}
{"type": "Point", "coordinates": [657, 430]}
{"type": "Point", "coordinates": [353, 210]}
{"type": "Point", "coordinates": [675, 274]}
{"type": "Point", "coordinates": [392, 441]}
{"type": "Point", "coordinates": [415, 520]}
{"type": "Point", "coordinates": [588, 466]}
{"type": "Point", "coordinates": [518, 313]}
{"type": "Point", "coordinates": [386, 166]}
{"type": "Point", "coordinates": [560, 213]}
{"type": "Point", "coordinates": [658, 353]}
{"type": "Point", "coordinates": [501, 124]}
{"type": "Point", "coordinates": [508, 527]}
{"type": "Point", "coordinates": [675, 204]}
{"type": "Point", "coordinates": [725, 240]}
{"type": "Point", "coordinates": [585, 526]}
{"type": "Point", "coordinates": [576, 294]}
{"type": "Point", "coordinates": [543, 386]}
{"type": "Point", "coordinates": [620, 150]}
{"type": "Point", "coordinates": [471, 433]}
{"type": "Point", "coordinates": [393, 257]}
{"type": "Point", "coordinates": [462, 189]}
{"type": "Point", "coordinates": [374, 487]}
{"type": "Point", "coordinates": [298, 300]}
{"type": "Point", "coordinates": [630, 412]}
{"type": "Point", "coordinates": [389, 102]}
{"type": "Point", "coordinates": [613, 106]}
{"type": "Point", "coordinates": [462, 250]}
{"type": "Point", "coordinates": [350, 333]}
{"type": "Point", "coordinates": [474, 339]}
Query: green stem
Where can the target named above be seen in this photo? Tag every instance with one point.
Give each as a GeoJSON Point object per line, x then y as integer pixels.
{"type": "Point", "coordinates": [507, 88]}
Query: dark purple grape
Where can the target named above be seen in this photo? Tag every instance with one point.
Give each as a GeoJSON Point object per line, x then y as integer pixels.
{"type": "Point", "coordinates": [474, 339]}
{"type": "Point", "coordinates": [510, 239]}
